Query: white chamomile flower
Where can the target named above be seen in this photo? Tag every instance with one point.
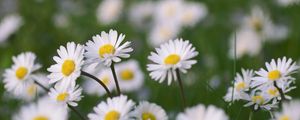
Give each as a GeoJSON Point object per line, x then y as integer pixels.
{"type": "Point", "coordinates": [9, 24]}
{"type": "Point", "coordinates": [193, 12]}
{"type": "Point", "coordinates": [241, 85]}
{"type": "Point", "coordinates": [279, 72]}
{"type": "Point", "coordinates": [149, 111]}
{"type": "Point", "coordinates": [168, 10]}
{"type": "Point", "coordinates": [247, 43]}
{"type": "Point", "coordinates": [140, 13]}
{"type": "Point", "coordinates": [259, 100]}
{"type": "Point", "coordinates": [109, 11]}
{"type": "Point", "coordinates": [290, 111]}
{"type": "Point", "coordinates": [116, 108]}
{"type": "Point", "coordinates": [173, 55]}
{"type": "Point", "coordinates": [93, 88]}
{"type": "Point", "coordinates": [32, 89]}
{"type": "Point", "coordinates": [17, 78]}
{"type": "Point", "coordinates": [260, 22]}
{"type": "Point", "coordinates": [107, 48]}
{"type": "Point", "coordinates": [287, 3]}
{"type": "Point", "coordinates": [130, 76]}
{"type": "Point", "coordinates": [68, 64]}
{"type": "Point", "coordinates": [44, 109]}
{"type": "Point", "coordinates": [272, 92]}
{"type": "Point", "coordinates": [66, 95]}
{"type": "Point", "coordinates": [163, 32]}
{"type": "Point", "coordinates": [200, 112]}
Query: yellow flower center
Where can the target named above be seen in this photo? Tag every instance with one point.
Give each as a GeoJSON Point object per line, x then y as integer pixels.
{"type": "Point", "coordinates": [127, 74]}
{"type": "Point", "coordinates": [31, 90]}
{"type": "Point", "coordinates": [240, 86]}
{"type": "Point", "coordinates": [112, 115]}
{"type": "Point", "coordinates": [273, 92]}
{"type": "Point", "coordinates": [62, 96]}
{"type": "Point", "coordinates": [257, 24]}
{"type": "Point", "coordinates": [106, 49]}
{"type": "Point", "coordinates": [105, 80]}
{"type": "Point", "coordinates": [21, 72]}
{"type": "Point", "coordinates": [274, 75]}
{"type": "Point", "coordinates": [40, 118]}
{"type": "Point", "coordinates": [148, 116]}
{"type": "Point", "coordinates": [68, 67]}
{"type": "Point", "coordinates": [284, 117]}
{"type": "Point", "coordinates": [172, 59]}
{"type": "Point", "coordinates": [258, 99]}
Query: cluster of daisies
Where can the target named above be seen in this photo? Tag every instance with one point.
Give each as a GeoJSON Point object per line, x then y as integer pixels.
{"type": "Point", "coordinates": [265, 88]}
{"type": "Point", "coordinates": [253, 30]}
{"type": "Point", "coordinates": [163, 20]}
{"type": "Point", "coordinates": [99, 61]}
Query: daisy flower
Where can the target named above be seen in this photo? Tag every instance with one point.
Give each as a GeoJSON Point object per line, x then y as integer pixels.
{"type": "Point", "coordinates": [116, 108]}
{"type": "Point", "coordinates": [17, 78]}
{"type": "Point", "coordinates": [109, 11]}
{"type": "Point", "coordinates": [9, 25]}
{"type": "Point", "coordinates": [259, 100]}
{"type": "Point", "coordinates": [168, 10]}
{"type": "Point", "coordinates": [162, 32]}
{"type": "Point", "coordinates": [68, 64]}
{"type": "Point", "coordinates": [130, 76]}
{"type": "Point", "coordinates": [200, 112]}
{"type": "Point", "coordinates": [272, 92]}
{"type": "Point", "coordinates": [149, 111]}
{"type": "Point", "coordinates": [66, 95]}
{"type": "Point", "coordinates": [107, 48]}
{"type": "Point", "coordinates": [140, 12]}
{"type": "Point", "coordinates": [247, 43]}
{"type": "Point", "coordinates": [260, 22]}
{"type": "Point", "coordinates": [44, 109]}
{"type": "Point", "coordinates": [31, 90]}
{"type": "Point", "coordinates": [279, 72]}
{"type": "Point", "coordinates": [193, 12]}
{"type": "Point", "coordinates": [175, 54]}
{"type": "Point", "coordinates": [287, 3]}
{"type": "Point", "coordinates": [290, 111]}
{"type": "Point", "coordinates": [92, 88]}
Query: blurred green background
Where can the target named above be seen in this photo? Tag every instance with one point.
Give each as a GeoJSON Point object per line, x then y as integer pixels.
{"type": "Point", "coordinates": [210, 37]}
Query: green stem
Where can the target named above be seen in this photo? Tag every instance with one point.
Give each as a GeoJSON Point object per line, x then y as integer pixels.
{"type": "Point", "coordinates": [98, 81]}
{"type": "Point", "coordinates": [112, 67]}
{"type": "Point", "coordinates": [181, 88]}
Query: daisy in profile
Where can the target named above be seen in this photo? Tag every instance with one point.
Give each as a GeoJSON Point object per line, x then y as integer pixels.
{"type": "Point", "coordinates": [116, 108]}
{"type": "Point", "coordinates": [68, 64]}
{"type": "Point", "coordinates": [9, 25]}
{"type": "Point", "coordinates": [173, 55]}
{"type": "Point", "coordinates": [20, 75]}
{"type": "Point", "coordinates": [241, 86]}
{"type": "Point", "coordinates": [149, 111]}
{"type": "Point", "coordinates": [193, 12]}
{"type": "Point", "coordinates": [277, 72]}
{"type": "Point", "coordinates": [290, 111]}
{"type": "Point", "coordinates": [92, 88]}
{"type": "Point", "coordinates": [200, 112]}
{"type": "Point", "coordinates": [44, 109]}
{"type": "Point", "coordinates": [244, 42]}
{"type": "Point", "coordinates": [66, 95]}
{"type": "Point", "coordinates": [130, 76]}
{"type": "Point", "coordinates": [109, 11]}
{"type": "Point", "coordinates": [107, 48]}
